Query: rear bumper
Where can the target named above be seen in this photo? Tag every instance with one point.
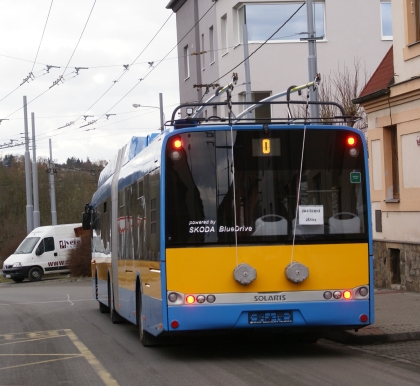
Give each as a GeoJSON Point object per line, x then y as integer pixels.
{"type": "Point", "coordinates": [318, 315]}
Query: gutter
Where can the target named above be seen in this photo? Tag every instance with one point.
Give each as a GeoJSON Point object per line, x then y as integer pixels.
{"type": "Point", "coordinates": [175, 5]}
{"type": "Point", "coordinates": [371, 96]}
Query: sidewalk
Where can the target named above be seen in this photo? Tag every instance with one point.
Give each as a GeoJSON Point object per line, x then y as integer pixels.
{"type": "Point", "coordinates": [397, 318]}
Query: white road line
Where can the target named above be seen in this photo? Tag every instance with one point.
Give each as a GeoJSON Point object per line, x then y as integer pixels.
{"type": "Point", "coordinates": [50, 301]}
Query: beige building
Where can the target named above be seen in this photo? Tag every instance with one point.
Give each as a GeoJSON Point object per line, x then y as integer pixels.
{"type": "Point", "coordinates": [210, 36]}
{"type": "Point", "coordinates": [392, 100]}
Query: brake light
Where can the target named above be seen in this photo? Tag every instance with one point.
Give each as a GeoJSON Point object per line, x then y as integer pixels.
{"type": "Point", "coordinates": [177, 143]}
{"type": "Point", "coordinates": [190, 299]}
{"type": "Point", "coordinates": [351, 141]}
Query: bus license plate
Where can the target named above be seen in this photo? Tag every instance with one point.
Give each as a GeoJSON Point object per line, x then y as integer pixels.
{"type": "Point", "coordinates": [270, 317]}
{"type": "Point", "coordinates": [7, 276]}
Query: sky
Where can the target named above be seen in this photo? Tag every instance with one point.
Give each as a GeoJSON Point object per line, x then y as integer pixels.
{"type": "Point", "coordinates": [98, 38]}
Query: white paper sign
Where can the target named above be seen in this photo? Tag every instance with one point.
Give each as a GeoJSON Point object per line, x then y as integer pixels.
{"type": "Point", "coordinates": [311, 215]}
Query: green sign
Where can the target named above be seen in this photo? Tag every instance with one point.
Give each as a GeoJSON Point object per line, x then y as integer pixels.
{"type": "Point", "coordinates": [355, 177]}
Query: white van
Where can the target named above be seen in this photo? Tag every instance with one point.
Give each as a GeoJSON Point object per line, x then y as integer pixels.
{"type": "Point", "coordinates": [44, 251]}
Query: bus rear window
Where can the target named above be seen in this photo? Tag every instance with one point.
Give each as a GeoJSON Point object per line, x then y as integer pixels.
{"type": "Point", "coordinates": [260, 192]}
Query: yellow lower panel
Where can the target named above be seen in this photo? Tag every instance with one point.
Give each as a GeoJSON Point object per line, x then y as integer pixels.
{"type": "Point", "coordinates": [102, 268]}
{"type": "Point", "coordinates": [210, 270]}
{"type": "Point", "coordinates": [127, 271]}
{"type": "Point", "coordinates": [151, 281]}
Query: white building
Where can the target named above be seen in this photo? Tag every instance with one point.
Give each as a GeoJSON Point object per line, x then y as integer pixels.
{"type": "Point", "coordinates": [210, 36]}
{"type": "Point", "coordinates": [392, 100]}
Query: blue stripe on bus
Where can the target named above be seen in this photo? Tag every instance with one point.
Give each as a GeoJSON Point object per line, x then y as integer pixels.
{"type": "Point", "coordinates": [322, 314]}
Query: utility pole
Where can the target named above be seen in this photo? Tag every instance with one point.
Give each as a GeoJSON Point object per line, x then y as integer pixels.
{"type": "Point", "coordinates": [248, 95]}
{"type": "Point", "coordinates": [29, 206]}
{"type": "Point", "coordinates": [37, 221]}
{"type": "Point", "coordinates": [312, 61]}
{"type": "Point", "coordinates": [161, 111]}
{"type": "Point", "coordinates": [52, 189]}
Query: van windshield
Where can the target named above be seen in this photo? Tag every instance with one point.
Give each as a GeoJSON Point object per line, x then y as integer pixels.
{"type": "Point", "coordinates": [27, 245]}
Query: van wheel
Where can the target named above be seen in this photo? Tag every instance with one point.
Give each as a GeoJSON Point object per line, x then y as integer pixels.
{"type": "Point", "coordinates": [18, 279]}
{"type": "Point", "coordinates": [35, 274]}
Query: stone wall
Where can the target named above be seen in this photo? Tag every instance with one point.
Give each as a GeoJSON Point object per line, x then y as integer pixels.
{"type": "Point", "coordinates": [397, 266]}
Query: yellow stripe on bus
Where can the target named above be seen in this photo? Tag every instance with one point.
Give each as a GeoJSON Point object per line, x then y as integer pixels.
{"type": "Point", "coordinates": [127, 270]}
{"type": "Point", "coordinates": [210, 270]}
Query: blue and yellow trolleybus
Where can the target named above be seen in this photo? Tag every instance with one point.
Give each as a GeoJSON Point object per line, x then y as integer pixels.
{"type": "Point", "coordinates": [222, 224]}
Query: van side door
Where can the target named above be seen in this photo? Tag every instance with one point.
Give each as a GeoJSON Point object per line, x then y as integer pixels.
{"type": "Point", "coordinates": [47, 257]}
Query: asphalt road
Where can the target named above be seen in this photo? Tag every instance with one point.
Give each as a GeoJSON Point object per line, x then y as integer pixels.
{"type": "Point", "coordinates": [52, 333]}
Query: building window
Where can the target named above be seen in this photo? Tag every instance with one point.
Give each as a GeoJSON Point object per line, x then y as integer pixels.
{"type": "Point", "coordinates": [186, 62]}
{"type": "Point", "coordinates": [263, 112]}
{"type": "Point", "coordinates": [214, 111]}
{"type": "Point", "coordinates": [417, 18]}
{"type": "Point", "coordinates": [211, 41]}
{"type": "Point", "coordinates": [395, 172]}
{"type": "Point", "coordinates": [202, 54]}
{"type": "Point", "coordinates": [378, 220]}
{"type": "Point", "coordinates": [263, 20]}
{"type": "Point", "coordinates": [413, 21]}
{"type": "Point", "coordinates": [386, 20]}
{"type": "Point", "coordinates": [391, 154]}
{"type": "Point", "coordinates": [225, 45]}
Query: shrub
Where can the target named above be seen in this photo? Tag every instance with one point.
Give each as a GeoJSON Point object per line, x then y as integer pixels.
{"type": "Point", "coordinates": [80, 258]}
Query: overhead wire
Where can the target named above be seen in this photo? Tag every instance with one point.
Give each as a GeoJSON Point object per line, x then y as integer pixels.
{"type": "Point", "coordinates": [42, 36]}
{"type": "Point", "coordinates": [31, 72]}
{"type": "Point", "coordinates": [61, 77]}
{"type": "Point", "coordinates": [122, 74]}
{"type": "Point", "coordinates": [141, 79]}
{"type": "Point", "coordinates": [83, 31]}
{"type": "Point", "coordinates": [262, 44]}
{"type": "Point", "coordinates": [160, 61]}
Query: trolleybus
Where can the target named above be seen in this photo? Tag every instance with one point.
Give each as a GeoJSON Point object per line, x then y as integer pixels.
{"type": "Point", "coordinates": [225, 224]}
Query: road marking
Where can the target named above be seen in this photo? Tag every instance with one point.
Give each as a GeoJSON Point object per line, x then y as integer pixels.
{"type": "Point", "coordinates": [68, 299]}
{"type": "Point", "coordinates": [49, 301]}
{"type": "Point", "coordinates": [100, 370]}
{"type": "Point", "coordinates": [7, 339]}
{"type": "Point", "coordinates": [40, 362]}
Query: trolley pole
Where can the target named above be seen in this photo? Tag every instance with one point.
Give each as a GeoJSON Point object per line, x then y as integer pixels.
{"type": "Point", "coordinates": [52, 190]}
{"type": "Point", "coordinates": [37, 221]}
{"type": "Point", "coordinates": [312, 61]}
{"type": "Point", "coordinates": [29, 206]}
{"type": "Point", "coordinates": [161, 111]}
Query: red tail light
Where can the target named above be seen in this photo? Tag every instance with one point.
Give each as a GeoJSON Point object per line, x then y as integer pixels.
{"type": "Point", "coordinates": [177, 143]}
{"type": "Point", "coordinates": [351, 141]}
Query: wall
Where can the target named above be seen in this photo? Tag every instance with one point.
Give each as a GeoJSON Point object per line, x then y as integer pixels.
{"type": "Point", "coordinates": [395, 272]}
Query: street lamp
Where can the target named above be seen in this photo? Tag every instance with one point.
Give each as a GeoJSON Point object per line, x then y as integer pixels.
{"type": "Point", "coordinates": [137, 105]}
{"type": "Point", "coordinates": [162, 115]}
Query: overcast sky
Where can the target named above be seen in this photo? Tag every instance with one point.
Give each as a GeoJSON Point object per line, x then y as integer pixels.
{"type": "Point", "coordinates": [115, 35]}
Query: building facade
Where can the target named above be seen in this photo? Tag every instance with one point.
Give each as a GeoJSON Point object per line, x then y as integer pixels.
{"type": "Point", "coordinates": [391, 99]}
{"type": "Point", "coordinates": [211, 35]}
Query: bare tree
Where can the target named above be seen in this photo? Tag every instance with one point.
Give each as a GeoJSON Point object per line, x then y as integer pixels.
{"type": "Point", "coordinates": [341, 86]}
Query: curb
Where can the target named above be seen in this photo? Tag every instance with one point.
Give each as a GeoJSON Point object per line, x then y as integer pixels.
{"type": "Point", "coordinates": [350, 337]}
